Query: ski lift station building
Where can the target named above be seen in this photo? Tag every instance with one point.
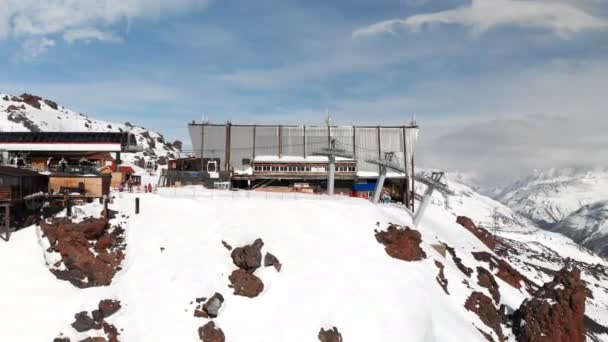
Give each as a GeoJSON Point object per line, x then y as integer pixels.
{"type": "Point", "coordinates": [294, 153]}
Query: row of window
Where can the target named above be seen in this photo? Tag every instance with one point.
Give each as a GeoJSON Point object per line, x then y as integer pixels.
{"type": "Point", "coordinates": [301, 169]}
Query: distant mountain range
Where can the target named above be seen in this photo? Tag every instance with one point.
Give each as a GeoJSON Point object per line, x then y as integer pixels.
{"type": "Point", "coordinates": [35, 114]}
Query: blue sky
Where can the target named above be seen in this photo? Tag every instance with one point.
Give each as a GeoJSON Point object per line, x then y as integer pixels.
{"type": "Point", "coordinates": [457, 65]}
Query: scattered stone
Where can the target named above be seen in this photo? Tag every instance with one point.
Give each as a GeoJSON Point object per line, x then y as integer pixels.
{"type": "Point", "coordinates": [200, 300]}
{"type": "Point", "coordinates": [246, 284]}
{"type": "Point", "coordinates": [506, 272]}
{"type": "Point", "coordinates": [248, 257]}
{"type": "Point", "coordinates": [401, 243]}
{"type": "Point", "coordinates": [486, 279]}
{"type": "Point", "coordinates": [556, 311]}
{"type": "Point", "coordinates": [213, 305]}
{"type": "Point", "coordinates": [61, 339]}
{"type": "Point", "coordinates": [271, 260]}
{"type": "Point", "coordinates": [228, 247]}
{"type": "Point", "coordinates": [441, 280]}
{"type": "Point", "coordinates": [331, 335]}
{"type": "Point", "coordinates": [483, 307]}
{"type": "Point", "coordinates": [108, 307]}
{"type": "Point", "coordinates": [84, 322]}
{"type": "Point", "coordinates": [210, 333]}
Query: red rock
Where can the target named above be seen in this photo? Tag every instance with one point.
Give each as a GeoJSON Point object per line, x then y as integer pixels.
{"type": "Point", "coordinates": [486, 279]}
{"type": "Point", "coordinates": [31, 100]}
{"type": "Point", "coordinates": [482, 234]}
{"type": "Point", "coordinates": [556, 311]}
{"type": "Point", "coordinates": [483, 307]}
{"type": "Point", "coordinates": [84, 322]}
{"type": "Point", "coordinates": [210, 333]}
{"type": "Point", "coordinates": [458, 261]}
{"type": "Point", "coordinates": [331, 335]}
{"type": "Point", "coordinates": [246, 284]}
{"type": "Point", "coordinates": [401, 243]}
{"type": "Point", "coordinates": [111, 332]}
{"type": "Point", "coordinates": [248, 257]}
{"type": "Point", "coordinates": [506, 272]}
{"type": "Point", "coordinates": [108, 307]}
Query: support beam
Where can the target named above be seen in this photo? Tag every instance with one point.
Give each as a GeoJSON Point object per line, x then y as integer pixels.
{"type": "Point", "coordinates": [305, 147]}
{"type": "Point", "coordinates": [406, 195]}
{"type": "Point", "coordinates": [254, 133]}
{"type": "Point", "coordinates": [202, 147]}
{"type": "Point", "coordinates": [280, 136]}
{"type": "Point", "coordinates": [227, 146]}
{"type": "Point", "coordinates": [425, 202]}
{"type": "Point", "coordinates": [355, 142]}
{"type": "Point", "coordinates": [332, 175]}
{"type": "Point", "coordinates": [380, 184]}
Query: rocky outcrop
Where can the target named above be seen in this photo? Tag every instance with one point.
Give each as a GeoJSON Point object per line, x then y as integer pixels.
{"type": "Point", "coordinates": [210, 333]}
{"type": "Point", "coordinates": [31, 100]}
{"type": "Point", "coordinates": [401, 243]}
{"type": "Point", "coordinates": [248, 257]}
{"type": "Point", "coordinates": [51, 104]}
{"type": "Point", "coordinates": [441, 280]}
{"type": "Point", "coordinates": [505, 271]}
{"type": "Point", "coordinates": [331, 335]}
{"type": "Point", "coordinates": [486, 279]}
{"type": "Point", "coordinates": [556, 311]}
{"type": "Point", "coordinates": [482, 234]}
{"type": "Point", "coordinates": [271, 260]}
{"type": "Point", "coordinates": [458, 261]}
{"type": "Point", "coordinates": [246, 284]}
{"type": "Point", "coordinates": [90, 252]}
{"type": "Point", "coordinates": [107, 308]}
{"type": "Point", "coordinates": [483, 307]}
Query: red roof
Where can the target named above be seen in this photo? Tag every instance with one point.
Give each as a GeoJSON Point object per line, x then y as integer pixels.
{"type": "Point", "coordinates": [126, 170]}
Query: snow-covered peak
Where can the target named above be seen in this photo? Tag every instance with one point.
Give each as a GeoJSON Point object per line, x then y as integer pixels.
{"type": "Point", "coordinates": [588, 226]}
{"type": "Point", "coordinates": [35, 114]}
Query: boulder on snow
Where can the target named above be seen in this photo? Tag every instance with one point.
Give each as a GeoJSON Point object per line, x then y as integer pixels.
{"type": "Point", "coordinates": [51, 104]}
{"type": "Point", "coordinates": [84, 322]}
{"type": "Point", "coordinates": [246, 284]}
{"type": "Point", "coordinates": [556, 311]}
{"type": "Point", "coordinates": [31, 100]}
{"type": "Point", "coordinates": [401, 243]}
{"type": "Point", "coordinates": [106, 308]}
{"type": "Point", "coordinates": [226, 245]}
{"type": "Point", "coordinates": [213, 305]}
{"type": "Point", "coordinates": [483, 307]}
{"type": "Point", "coordinates": [331, 335]}
{"type": "Point", "coordinates": [210, 333]}
{"type": "Point", "coordinates": [271, 260]}
{"type": "Point", "coordinates": [76, 243]}
{"type": "Point", "coordinates": [248, 257]}
{"type": "Point", "coordinates": [458, 261]}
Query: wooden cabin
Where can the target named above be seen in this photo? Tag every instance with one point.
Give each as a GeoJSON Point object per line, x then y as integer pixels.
{"type": "Point", "coordinates": [89, 184]}
{"type": "Point", "coordinates": [15, 183]}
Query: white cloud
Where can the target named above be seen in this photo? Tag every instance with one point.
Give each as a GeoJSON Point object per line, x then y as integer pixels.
{"type": "Point", "coordinates": [562, 18]}
{"type": "Point", "coordinates": [82, 19]}
{"type": "Point", "coordinates": [33, 48]}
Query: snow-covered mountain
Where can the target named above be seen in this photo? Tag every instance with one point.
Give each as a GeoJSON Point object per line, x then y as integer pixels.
{"type": "Point", "coordinates": [33, 113]}
{"type": "Point", "coordinates": [549, 196]}
{"type": "Point", "coordinates": [587, 226]}
{"type": "Point", "coordinates": [340, 267]}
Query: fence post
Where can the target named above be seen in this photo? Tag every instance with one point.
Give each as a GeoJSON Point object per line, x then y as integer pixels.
{"type": "Point", "coordinates": [136, 205]}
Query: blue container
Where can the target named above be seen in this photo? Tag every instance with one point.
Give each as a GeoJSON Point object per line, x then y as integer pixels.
{"type": "Point", "coordinates": [364, 186]}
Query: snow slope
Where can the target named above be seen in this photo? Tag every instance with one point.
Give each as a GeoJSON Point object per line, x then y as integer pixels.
{"type": "Point", "coordinates": [588, 226]}
{"type": "Point", "coordinates": [334, 271]}
{"type": "Point", "coordinates": [20, 113]}
{"type": "Point", "coordinates": [548, 197]}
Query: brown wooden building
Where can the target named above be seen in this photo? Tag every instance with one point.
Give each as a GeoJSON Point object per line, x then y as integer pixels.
{"type": "Point", "coordinates": [15, 184]}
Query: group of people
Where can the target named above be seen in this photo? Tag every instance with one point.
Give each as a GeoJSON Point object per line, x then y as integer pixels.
{"type": "Point", "coordinates": [129, 186]}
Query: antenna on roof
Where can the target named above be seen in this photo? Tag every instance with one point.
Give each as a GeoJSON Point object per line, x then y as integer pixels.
{"type": "Point", "coordinates": [327, 118]}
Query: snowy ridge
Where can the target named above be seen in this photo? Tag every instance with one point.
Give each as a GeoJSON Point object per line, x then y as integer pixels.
{"type": "Point", "coordinates": [334, 271]}
{"type": "Point", "coordinates": [31, 113]}
{"type": "Point", "coordinates": [588, 226]}
{"type": "Point", "coordinates": [548, 197]}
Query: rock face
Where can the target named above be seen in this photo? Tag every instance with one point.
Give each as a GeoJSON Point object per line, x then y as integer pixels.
{"type": "Point", "coordinates": [210, 333]}
{"type": "Point", "coordinates": [483, 307]}
{"type": "Point", "coordinates": [556, 312]}
{"type": "Point", "coordinates": [486, 279]}
{"type": "Point", "coordinates": [332, 335]}
{"type": "Point", "coordinates": [90, 252]}
{"type": "Point", "coordinates": [246, 284]}
{"type": "Point", "coordinates": [506, 272]}
{"type": "Point", "coordinates": [249, 257]}
{"type": "Point", "coordinates": [483, 235]}
{"type": "Point", "coordinates": [401, 243]}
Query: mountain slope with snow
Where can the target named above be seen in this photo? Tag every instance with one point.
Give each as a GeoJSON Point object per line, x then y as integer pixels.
{"type": "Point", "coordinates": [334, 271]}
{"type": "Point", "coordinates": [548, 197]}
{"type": "Point", "coordinates": [588, 226]}
{"type": "Point", "coordinates": [32, 113]}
